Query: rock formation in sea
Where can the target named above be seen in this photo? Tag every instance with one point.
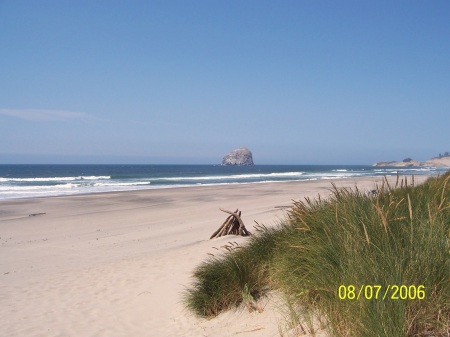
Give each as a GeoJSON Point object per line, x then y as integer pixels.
{"type": "Point", "coordinates": [241, 157]}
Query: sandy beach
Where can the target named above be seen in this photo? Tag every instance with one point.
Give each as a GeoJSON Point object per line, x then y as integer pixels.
{"type": "Point", "coordinates": [116, 264]}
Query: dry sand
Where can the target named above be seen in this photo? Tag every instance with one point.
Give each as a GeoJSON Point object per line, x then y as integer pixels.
{"type": "Point", "coordinates": [116, 264]}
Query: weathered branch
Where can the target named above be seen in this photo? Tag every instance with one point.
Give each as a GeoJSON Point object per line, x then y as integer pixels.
{"type": "Point", "coordinates": [221, 227]}
{"type": "Point", "coordinates": [236, 215]}
{"type": "Point", "coordinates": [232, 225]}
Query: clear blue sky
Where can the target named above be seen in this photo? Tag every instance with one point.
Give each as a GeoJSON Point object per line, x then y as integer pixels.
{"type": "Point", "coordinates": [297, 82]}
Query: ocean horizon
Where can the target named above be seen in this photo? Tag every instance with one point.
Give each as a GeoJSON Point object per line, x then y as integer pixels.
{"type": "Point", "coordinates": [45, 180]}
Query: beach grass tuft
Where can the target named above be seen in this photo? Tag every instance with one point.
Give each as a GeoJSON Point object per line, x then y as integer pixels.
{"type": "Point", "coordinates": [227, 279]}
{"type": "Point", "coordinates": [356, 259]}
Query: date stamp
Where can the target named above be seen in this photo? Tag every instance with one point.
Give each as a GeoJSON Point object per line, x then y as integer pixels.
{"type": "Point", "coordinates": [378, 292]}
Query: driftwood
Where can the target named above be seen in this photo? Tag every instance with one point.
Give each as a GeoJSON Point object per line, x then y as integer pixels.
{"type": "Point", "coordinates": [233, 225]}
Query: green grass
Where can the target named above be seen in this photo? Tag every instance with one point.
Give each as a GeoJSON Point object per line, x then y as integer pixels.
{"type": "Point", "coordinates": [400, 236]}
{"type": "Point", "coordinates": [221, 282]}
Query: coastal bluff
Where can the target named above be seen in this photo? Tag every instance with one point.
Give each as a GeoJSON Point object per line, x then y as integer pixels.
{"type": "Point", "coordinates": [441, 161]}
{"type": "Point", "coordinates": [239, 157]}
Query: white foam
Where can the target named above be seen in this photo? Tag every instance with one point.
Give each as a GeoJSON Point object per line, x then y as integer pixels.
{"type": "Point", "coordinates": [47, 179]}
{"type": "Point", "coordinates": [36, 188]}
{"type": "Point", "coordinates": [233, 177]}
{"type": "Point", "coordinates": [37, 179]}
{"type": "Point", "coordinates": [123, 184]}
{"type": "Point", "coordinates": [95, 177]}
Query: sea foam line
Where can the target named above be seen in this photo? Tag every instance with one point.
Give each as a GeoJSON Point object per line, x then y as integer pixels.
{"type": "Point", "coordinates": [41, 179]}
{"type": "Point", "coordinates": [123, 184]}
{"type": "Point", "coordinates": [234, 176]}
{"type": "Point", "coordinates": [4, 189]}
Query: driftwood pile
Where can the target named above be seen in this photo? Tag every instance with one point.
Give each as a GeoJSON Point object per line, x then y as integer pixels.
{"type": "Point", "coordinates": [232, 225]}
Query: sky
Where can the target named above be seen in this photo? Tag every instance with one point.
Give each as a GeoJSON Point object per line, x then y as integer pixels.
{"type": "Point", "coordinates": [185, 82]}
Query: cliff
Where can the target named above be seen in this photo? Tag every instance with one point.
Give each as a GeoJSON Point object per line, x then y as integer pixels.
{"type": "Point", "coordinates": [441, 161]}
{"type": "Point", "coordinates": [411, 163]}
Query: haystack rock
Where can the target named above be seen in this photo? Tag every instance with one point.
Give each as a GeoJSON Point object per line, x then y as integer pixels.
{"type": "Point", "coordinates": [241, 157]}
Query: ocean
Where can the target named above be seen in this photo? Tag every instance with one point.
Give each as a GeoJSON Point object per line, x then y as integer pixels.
{"type": "Point", "coordinates": [30, 181]}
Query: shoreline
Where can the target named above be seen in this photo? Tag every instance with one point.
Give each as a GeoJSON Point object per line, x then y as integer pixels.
{"type": "Point", "coordinates": [56, 181]}
{"type": "Point", "coordinates": [175, 187]}
{"type": "Point", "coordinates": [215, 185]}
{"type": "Point", "coordinates": [116, 263]}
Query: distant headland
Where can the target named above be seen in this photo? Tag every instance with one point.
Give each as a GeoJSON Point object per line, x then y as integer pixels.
{"type": "Point", "coordinates": [443, 160]}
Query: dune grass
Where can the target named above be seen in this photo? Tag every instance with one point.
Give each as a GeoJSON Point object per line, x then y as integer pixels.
{"type": "Point", "coordinates": [396, 237]}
